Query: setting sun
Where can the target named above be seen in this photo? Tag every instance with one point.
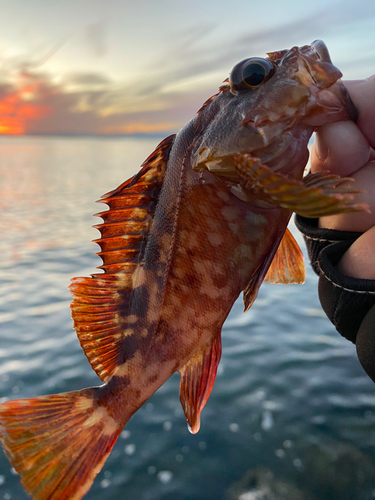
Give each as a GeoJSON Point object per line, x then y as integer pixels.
{"type": "Point", "coordinates": [16, 109]}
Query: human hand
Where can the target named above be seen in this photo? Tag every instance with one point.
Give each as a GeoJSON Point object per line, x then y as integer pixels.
{"type": "Point", "coordinates": [346, 149]}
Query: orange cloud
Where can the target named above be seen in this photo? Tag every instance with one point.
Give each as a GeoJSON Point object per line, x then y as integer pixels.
{"type": "Point", "coordinates": [92, 104]}
{"type": "Point", "coordinates": [17, 108]}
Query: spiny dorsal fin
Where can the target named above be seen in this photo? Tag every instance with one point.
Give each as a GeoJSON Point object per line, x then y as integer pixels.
{"type": "Point", "coordinates": [100, 306]}
{"type": "Point", "coordinates": [287, 266]}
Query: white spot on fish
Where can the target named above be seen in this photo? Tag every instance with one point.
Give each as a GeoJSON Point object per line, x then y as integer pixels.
{"type": "Point", "coordinates": [100, 414]}
{"type": "Point", "coordinates": [234, 227]}
{"type": "Point", "coordinates": [215, 239]}
{"type": "Point", "coordinates": [243, 252]}
{"type": "Point", "coordinates": [179, 272]}
{"type": "Point", "coordinates": [123, 369]}
{"type": "Point", "coordinates": [255, 218]}
{"type": "Point", "coordinates": [138, 276]}
{"type": "Point", "coordinates": [131, 319]}
{"type": "Point", "coordinates": [202, 266]}
{"type": "Point", "coordinates": [83, 404]}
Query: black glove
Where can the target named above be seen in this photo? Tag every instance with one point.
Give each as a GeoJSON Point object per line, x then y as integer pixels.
{"type": "Point", "coordinates": [348, 302]}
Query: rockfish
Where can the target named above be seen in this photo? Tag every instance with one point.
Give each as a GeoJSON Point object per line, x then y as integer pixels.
{"type": "Point", "coordinates": [202, 221]}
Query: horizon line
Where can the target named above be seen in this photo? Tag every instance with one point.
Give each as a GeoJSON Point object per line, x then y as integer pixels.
{"type": "Point", "coordinates": [68, 134]}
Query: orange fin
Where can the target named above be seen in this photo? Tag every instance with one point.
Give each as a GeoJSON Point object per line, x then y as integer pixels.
{"type": "Point", "coordinates": [288, 264]}
{"type": "Point", "coordinates": [100, 305]}
{"type": "Point", "coordinates": [316, 195]}
{"type": "Point", "coordinates": [197, 379]}
{"type": "Point", "coordinates": [58, 443]}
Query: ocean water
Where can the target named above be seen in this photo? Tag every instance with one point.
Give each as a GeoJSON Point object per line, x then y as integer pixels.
{"type": "Point", "coordinates": [291, 415]}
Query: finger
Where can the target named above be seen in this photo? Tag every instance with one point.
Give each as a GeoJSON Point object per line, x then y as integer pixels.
{"type": "Point", "coordinates": [341, 148]}
{"type": "Point", "coordinates": [359, 260]}
{"type": "Point", "coordinates": [362, 93]}
{"type": "Point", "coordinates": [364, 179]}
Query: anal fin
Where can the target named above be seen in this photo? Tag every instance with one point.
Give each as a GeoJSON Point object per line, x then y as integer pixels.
{"type": "Point", "coordinates": [197, 379]}
{"type": "Point", "coordinates": [315, 196]}
{"type": "Point", "coordinates": [287, 266]}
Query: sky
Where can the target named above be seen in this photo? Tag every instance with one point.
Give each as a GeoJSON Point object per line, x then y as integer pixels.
{"type": "Point", "coordinates": [103, 67]}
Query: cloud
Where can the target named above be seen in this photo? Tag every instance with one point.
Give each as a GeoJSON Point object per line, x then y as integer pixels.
{"type": "Point", "coordinates": [96, 39]}
{"type": "Point", "coordinates": [86, 80]}
{"type": "Point", "coordinates": [160, 97]}
{"type": "Point", "coordinates": [35, 102]}
{"type": "Point", "coordinates": [87, 104]}
{"type": "Point", "coordinates": [18, 106]}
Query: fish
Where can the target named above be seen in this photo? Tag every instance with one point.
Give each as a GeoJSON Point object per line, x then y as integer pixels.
{"type": "Point", "coordinates": [203, 220]}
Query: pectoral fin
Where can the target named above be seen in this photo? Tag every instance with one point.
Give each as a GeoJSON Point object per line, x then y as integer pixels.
{"type": "Point", "coordinates": [287, 266]}
{"type": "Point", "coordinates": [284, 266]}
{"type": "Point", "coordinates": [250, 293]}
{"type": "Point", "coordinates": [316, 195]}
{"type": "Point", "coordinates": [197, 379]}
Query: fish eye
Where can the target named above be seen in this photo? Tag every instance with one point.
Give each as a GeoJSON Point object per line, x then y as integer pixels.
{"type": "Point", "coordinates": [251, 73]}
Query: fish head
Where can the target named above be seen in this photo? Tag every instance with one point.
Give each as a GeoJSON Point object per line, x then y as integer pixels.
{"type": "Point", "coordinates": [269, 108]}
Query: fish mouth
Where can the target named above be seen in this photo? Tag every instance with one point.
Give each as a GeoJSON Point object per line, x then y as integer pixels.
{"type": "Point", "coordinates": [340, 91]}
{"type": "Point", "coordinates": [328, 92]}
{"type": "Point", "coordinates": [322, 50]}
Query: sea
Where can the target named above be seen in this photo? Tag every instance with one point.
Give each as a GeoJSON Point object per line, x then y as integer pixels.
{"type": "Point", "coordinates": [292, 413]}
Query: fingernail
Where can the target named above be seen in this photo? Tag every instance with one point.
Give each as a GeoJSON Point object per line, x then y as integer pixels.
{"type": "Point", "coordinates": [321, 148]}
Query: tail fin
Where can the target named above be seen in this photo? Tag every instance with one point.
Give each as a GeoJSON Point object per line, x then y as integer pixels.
{"type": "Point", "coordinates": [58, 443]}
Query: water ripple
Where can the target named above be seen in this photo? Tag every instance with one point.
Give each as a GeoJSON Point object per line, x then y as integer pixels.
{"type": "Point", "coordinates": [290, 396]}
